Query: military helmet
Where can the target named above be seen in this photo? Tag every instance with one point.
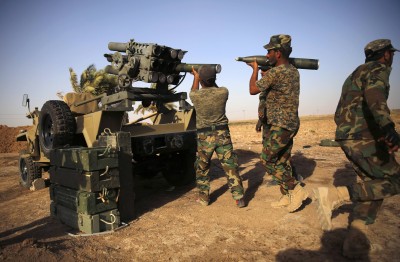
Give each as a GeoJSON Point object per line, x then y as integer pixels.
{"type": "Point", "coordinates": [378, 45]}
{"type": "Point", "coordinates": [279, 41]}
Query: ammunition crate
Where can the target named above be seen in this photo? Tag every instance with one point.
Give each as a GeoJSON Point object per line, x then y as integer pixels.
{"type": "Point", "coordinates": [84, 202]}
{"type": "Point", "coordinates": [82, 158]}
{"type": "Point", "coordinates": [85, 180]}
{"type": "Point", "coordinates": [120, 141]}
{"type": "Point", "coordinates": [88, 224]}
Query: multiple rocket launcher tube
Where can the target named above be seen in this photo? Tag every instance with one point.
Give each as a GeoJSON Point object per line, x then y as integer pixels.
{"type": "Point", "coordinates": [149, 62]}
{"type": "Point", "coordinates": [146, 57]}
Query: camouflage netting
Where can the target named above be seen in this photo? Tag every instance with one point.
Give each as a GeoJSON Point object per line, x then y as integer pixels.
{"type": "Point", "coordinates": [8, 143]}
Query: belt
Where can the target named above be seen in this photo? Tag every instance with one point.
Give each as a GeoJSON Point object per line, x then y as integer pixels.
{"type": "Point", "coordinates": [212, 128]}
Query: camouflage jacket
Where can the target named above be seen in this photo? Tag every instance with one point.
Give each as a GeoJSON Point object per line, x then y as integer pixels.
{"type": "Point", "coordinates": [362, 108]}
{"type": "Point", "coordinates": [282, 98]}
{"type": "Point", "coordinates": [210, 104]}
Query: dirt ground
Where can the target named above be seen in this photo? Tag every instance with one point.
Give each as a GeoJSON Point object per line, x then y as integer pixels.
{"type": "Point", "coordinates": [171, 226]}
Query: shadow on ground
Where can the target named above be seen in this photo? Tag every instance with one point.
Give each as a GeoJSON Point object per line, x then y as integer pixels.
{"type": "Point", "coordinates": [152, 193]}
{"type": "Point", "coordinates": [36, 234]}
{"type": "Point", "coordinates": [330, 251]}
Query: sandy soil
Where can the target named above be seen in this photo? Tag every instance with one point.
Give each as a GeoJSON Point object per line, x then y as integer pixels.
{"type": "Point", "coordinates": [171, 226]}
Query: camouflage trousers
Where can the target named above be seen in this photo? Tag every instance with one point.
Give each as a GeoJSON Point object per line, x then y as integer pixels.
{"type": "Point", "coordinates": [276, 155]}
{"type": "Point", "coordinates": [218, 141]}
{"type": "Point", "coordinates": [379, 172]}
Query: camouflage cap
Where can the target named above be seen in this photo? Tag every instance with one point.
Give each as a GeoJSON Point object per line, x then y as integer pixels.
{"type": "Point", "coordinates": [278, 41]}
{"type": "Point", "coordinates": [378, 45]}
{"type": "Point", "coordinates": [206, 73]}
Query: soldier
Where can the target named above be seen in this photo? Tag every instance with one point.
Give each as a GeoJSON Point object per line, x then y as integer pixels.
{"type": "Point", "coordinates": [213, 135]}
{"type": "Point", "coordinates": [282, 83]}
{"type": "Point", "coordinates": [367, 135]}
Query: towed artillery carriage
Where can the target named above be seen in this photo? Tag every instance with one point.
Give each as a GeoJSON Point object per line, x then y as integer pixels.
{"type": "Point", "coordinates": [82, 125]}
{"type": "Point", "coordinates": [32, 162]}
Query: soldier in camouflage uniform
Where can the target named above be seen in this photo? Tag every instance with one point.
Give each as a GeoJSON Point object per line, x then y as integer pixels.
{"type": "Point", "coordinates": [367, 135]}
{"type": "Point", "coordinates": [213, 135]}
{"type": "Point", "coordinates": [281, 85]}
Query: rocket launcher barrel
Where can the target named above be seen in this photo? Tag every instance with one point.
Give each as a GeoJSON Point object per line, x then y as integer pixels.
{"type": "Point", "coordinates": [120, 47]}
{"type": "Point", "coordinates": [300, 63]}
{"type": "Point", "coordinates": [182, 67]}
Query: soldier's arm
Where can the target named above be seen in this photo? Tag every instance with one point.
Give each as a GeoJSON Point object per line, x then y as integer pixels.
{"type": "Point", "coordinates": [253, 89]}
{"type": "Point", "coordinates": [196, 80]}
{"type": "Point", "coordinates": [376, 99]}
{"type": "Point", "coordinates": [258, 125]}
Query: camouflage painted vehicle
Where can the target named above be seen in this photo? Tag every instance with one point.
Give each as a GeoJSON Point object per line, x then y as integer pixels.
{"type": "Point", "coordinates": [167, 144]}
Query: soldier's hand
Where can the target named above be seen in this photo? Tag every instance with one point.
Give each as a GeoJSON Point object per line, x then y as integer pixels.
{"type": "Point", "coordinates": [393, 149]}
{"type": "Point", "coordinates": [194, 72]}
{"type": "Point", "coordinates": [258, 126]}
{"type": "Point", "coordinates": [253, 64]}
{"type": "Point", "coordinates": [391, 138]}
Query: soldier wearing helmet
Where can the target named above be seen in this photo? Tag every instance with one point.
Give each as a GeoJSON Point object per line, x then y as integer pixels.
{"type": "Point", "coordinates": [367, 135]}
{"type": "Point", "coordinates": [281, 86]}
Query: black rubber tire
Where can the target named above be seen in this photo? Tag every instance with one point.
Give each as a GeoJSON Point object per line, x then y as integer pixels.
{"type": "Point", "coordinates": [56, 126]}
{"type": "Point", "coordinates": [180, 168]}
{"type": "Point", "coordinates": [28, 170]}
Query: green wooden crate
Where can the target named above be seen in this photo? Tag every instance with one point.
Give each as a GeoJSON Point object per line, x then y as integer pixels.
{"type": "Point", "coordinates": [84, 202]}
{"type": "Point", "coordinates": [91, 181]}
{"type": "Point", "coordinates": [83, 158]}
{"type": "Point", "coordinates": [89, 224]}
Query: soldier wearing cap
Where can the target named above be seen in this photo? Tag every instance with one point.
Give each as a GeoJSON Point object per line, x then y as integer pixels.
{"type": "Point", "coordinates": [367, 135]}
{"type": "Point", "coordinates": [281, 85]}
{"type": "Point", "coordinates": [213, 135]}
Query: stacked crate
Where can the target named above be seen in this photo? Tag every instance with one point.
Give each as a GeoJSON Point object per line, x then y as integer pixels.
{"type": "Point", "coordinates": [86, 183]}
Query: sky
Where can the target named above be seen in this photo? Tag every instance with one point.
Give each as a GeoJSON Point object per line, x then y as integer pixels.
{"type": "Point", "coordinates": [41, 39]}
